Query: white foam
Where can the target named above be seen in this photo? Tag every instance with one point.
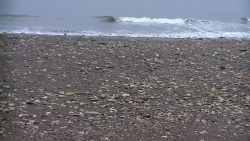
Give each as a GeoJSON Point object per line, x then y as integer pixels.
{"type": "Point", "coordinates": [29, 31]}
{"type": "Point", "coordinates": [151, 20]}
{"type": "Point", "coordinates": [146, 20]}
{"type": "Point", "coordinates": [184, 34]}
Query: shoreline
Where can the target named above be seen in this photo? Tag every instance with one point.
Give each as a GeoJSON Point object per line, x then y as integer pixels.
{"type": "Point", "coordinates": [128, 37]}
{"type": "Point", "coordinates": [64, 87]}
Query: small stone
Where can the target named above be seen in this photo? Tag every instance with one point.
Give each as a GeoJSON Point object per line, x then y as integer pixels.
{"type": "Point", "coordinates": [48, 94]}
{"type": "Point", "coordinates": [222, 67]}
{"type": "Point", "coordinates": [59, 116]}
{"type": "Point", "coordinates": [81, 114]}
{"type": "Point", "coordinates": [213, 89]}
{"type": "Point", "coordinates": [6, 86]}
{"type": "Point", "coordinates": [221, 99]}
{"type": "Point", "coordinates": [11, 108]}
{"type": "Point", "coordinates": [111, 100]}
{"type": "Point", "coordinates": [213, 112]}
{"type": "Point", "coordinates": [55, 122]}
{"type": "Point", "coordinates": [37, 101]}
{"type": "Point", "coordinates": [70, 121]}
{"type": "Point", "coordinates": [203, 132]}
{"type": "Point", "coordinates": [82, 103]}
{"type": "Point", "coordinates": [22, 115]}
{"type": "Point", "coordinates": [147, 116]}
{"type": "Point", "coordinates": [70, 93]}
{"type": "Point", "coordinates": [44, 97]}
{"type": "Point", "coordinates": [30, 103]}
{"type": "Point", "coordinates": [199, 103]}
{"type": "Point", "coordinates": [61, 92]}
{"type": "Point", "coordinates": [61, 96]}
{"type": "Point", "coordinates": [164, 136]}
{"type": "Point", "coordinates": [106, 139]}
{"type": "Point", "coordinates": [157, 55]}
{"type": "Point", "coordinates": [11, 104]}
{"type": "Point", "coordinates": [142, 92]}
{"type": "Point", "coordinates": [103, 96]}
{"type": "Point", "coordinates": [44, 70]}
{"type": "Point", "coordinates": [159, 61]}
{"type": "Point", "coordinates": [94, 113]}
{"type": "Point", "coordinates": [94, 99]}
{"type": "Point", "coordinates": [81, 132]}
{"type": "Point", "coordinates": [125, 95]}
{"type": "Point", "coordinates": [30, 122]}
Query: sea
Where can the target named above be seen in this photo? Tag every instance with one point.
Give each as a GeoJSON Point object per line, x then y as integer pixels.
{"type": "Point", "coordinates": [131, 18]}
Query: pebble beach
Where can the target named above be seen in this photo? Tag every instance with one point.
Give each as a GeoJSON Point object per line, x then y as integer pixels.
{"type": "Point", "coordinates": [81, 88]}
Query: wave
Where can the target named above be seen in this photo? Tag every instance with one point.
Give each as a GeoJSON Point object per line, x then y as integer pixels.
{"type": "Point", "coordinates": [245, 20]}
{"type": "Point", "coordinates": [151, 20]}
{"type": "Point", "coordinates": [236, 35]}
{"type": "Point", "coordinates": [17, 16]}
{"type": "Point", "coordinates": [107, 18]}
{"type": "Point", "coordinates": [147, 20]}
{"type": "Point", "coordinates": [159, 20]}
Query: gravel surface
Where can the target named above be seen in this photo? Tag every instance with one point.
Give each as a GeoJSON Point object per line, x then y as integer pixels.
{"type": "Point", "coordinates": [74, 88]}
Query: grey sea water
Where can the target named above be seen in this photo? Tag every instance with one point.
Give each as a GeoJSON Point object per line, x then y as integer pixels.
{"type": "Point", "coordinates": [141, 18]}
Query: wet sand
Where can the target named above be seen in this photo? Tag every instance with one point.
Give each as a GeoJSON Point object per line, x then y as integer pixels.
{"type": "Point", "coordinates": [73, 88]}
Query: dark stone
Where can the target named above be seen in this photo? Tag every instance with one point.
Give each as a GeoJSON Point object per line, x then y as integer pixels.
{"type": "Point", "coordinates": [102, 43]}
{"type": "Point", "coordinates": [242, 50]}
{"type": "Point", "coordinates": [30, 103]}
{"type": "Point", "coordinates": [147, 116]}
{"type": "Point", "coordinates": [222, 67]}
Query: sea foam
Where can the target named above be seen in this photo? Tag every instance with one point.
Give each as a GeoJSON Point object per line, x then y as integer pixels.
{"type": "Point", "coordinates": [151, 20]}
{"type": "Point", "coordinates": [147, 20]}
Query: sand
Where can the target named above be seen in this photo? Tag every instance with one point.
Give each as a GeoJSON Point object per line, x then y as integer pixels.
{"type": "Point", "coordinates": [73, 88]}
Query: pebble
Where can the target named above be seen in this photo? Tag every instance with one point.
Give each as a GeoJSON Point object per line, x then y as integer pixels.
{"type": "Point", "coordinates": [23, 115]}
{"type": "Point", "coordinates": [30, 103]}
{"type": "Point", "coordinates": [94, 113]}
{"type": "Point", "coordinates": [61, 92]}
{"type": "Point", "coordinates": [151, 82]}
{"type": "Point", "coordinates": [44, 97]}
{"type": "Point", "coordinates": [125, 95]}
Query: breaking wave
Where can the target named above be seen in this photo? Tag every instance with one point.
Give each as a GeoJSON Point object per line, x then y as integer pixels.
{"type": "Point", "coordinates": [135, 27]}
{"type": "Point", "coordinates": [147, 20]}
{"type": "Point", "coordinates": [151, 20]}
{"type": "Point", "coordinates": [159, 20]}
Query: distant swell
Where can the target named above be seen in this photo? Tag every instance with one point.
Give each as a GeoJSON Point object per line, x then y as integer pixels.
{"type": "Point", "coordinates": [245, 20]}
{"type": "Point", "coordinates": [17, 16]}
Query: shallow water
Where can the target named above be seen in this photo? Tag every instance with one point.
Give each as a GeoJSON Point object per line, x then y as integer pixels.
{"type": "Point", "coordinates": [147, 18]}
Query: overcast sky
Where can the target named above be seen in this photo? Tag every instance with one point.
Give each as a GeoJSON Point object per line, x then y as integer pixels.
{"type": "Point", "coordinates": [153, 8]}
